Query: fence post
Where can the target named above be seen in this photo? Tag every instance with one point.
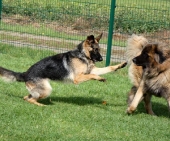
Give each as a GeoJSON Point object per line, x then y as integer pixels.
{"type": "Point", "coordinates": [110, 35]}
{"type": "Point", "coordinates": [0, 8]}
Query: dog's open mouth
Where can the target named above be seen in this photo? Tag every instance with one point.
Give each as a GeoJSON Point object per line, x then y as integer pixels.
{"type": "Point", "coordinates": [97, 60]}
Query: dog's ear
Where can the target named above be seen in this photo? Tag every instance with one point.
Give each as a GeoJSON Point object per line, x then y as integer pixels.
{"type": "Point", "coordinates": [155, 45]}
{"type": "Point", "coordinates": [90, 39]}
{"type": "Point", "coordinates": [159, 57]}
{"type": "Point", "coordinates": [99, 37]}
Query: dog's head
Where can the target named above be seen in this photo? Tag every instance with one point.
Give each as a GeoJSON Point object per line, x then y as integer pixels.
{"type": "Point", "coordinates": [91, 48]}
{"type": "Point", "coordinates": [149, 56]}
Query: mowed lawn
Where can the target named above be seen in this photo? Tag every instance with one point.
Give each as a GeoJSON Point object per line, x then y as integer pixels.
{"type": "Point", "coordinates": [93, 111]}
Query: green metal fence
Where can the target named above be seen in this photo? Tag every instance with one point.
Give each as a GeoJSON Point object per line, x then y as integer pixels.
{"type": "Point", "coordinates": [59, 25]}
{"type": "Point", "coordinates": [0, 8]}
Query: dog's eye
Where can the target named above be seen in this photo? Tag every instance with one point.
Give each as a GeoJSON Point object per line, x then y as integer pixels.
{"type": "Point", "coordinates": [145, 55]}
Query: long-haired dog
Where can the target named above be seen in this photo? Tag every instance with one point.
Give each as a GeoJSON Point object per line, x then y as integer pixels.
{"type": "Point", "coordinates": [76, 65]}
{"type": "Point", "coordinates": [149, 72]}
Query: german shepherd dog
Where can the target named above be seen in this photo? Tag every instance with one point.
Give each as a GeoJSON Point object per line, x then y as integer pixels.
{"type": "Point", "coordinates": [76, 65]}
{"type": "Point", "coordinates": [149, 71]}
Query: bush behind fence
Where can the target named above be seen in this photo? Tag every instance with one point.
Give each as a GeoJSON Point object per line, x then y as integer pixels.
{"type": "Point", "coordinates": [128, 18]}
{"type": "Point", "coordinates": [74, 19]}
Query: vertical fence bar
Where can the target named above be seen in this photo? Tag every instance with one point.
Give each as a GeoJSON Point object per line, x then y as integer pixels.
{"type": "Point", "coordinates": [0, 9]}
{"type": "Point", "coordinates": [110, 35]}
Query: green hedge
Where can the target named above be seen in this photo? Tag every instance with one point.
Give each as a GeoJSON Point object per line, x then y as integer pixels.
{"type": "Point", "coordinates": [91, 15]}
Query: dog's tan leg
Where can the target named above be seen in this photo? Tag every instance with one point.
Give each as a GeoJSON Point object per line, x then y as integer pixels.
{"type": "Point", "coordinates": [32, 100]}
{"type": "Point", "coordinates": [38, 89]}
{"type": "Point", "coordinates": [100, 71]}
{"type": "Point", "coordinates": [85, 77]}
{"type": "Point", "coordinates": [148, 105]}
{"type": "Point", "coordinates": [131, 95]}
{"type": "Point", "coordinates": [136, 100]}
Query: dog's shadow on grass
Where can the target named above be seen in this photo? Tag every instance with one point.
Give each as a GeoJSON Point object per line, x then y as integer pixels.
{"type": "Point", "coordinates": [158, 108]}
{"type": "Point", "coordinates": [73, 100]}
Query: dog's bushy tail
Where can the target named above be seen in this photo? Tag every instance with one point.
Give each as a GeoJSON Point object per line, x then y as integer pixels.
{"type": "Point", "coordinates": [11, 76]}
{"type": "Point", "coordinates": [135, 45]}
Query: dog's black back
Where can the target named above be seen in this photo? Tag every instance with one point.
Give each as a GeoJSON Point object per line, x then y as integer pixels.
{"type": "Point", "coordinates": [51, 67]}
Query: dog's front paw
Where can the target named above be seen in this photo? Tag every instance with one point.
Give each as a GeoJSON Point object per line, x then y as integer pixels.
{"type": "Point", "coordinates": [119, 66]}
{"type": "Point", "coordinates": [130, 110]}
{"type": "Point", "coordinates": [122, 65]}
{"type": "Point", "coordinates": [102, 80]}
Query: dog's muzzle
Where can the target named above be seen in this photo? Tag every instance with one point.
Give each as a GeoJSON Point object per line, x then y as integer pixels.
{"type": "Point", "coordinates": [100, 59]}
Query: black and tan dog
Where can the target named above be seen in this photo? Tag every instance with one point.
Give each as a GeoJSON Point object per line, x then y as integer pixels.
{"type": "Point", "coordinates": [149, 71]}
{"type": "Point", "coordinates": [77, 65]}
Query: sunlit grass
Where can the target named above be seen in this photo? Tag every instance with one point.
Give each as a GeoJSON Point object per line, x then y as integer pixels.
{"type": "Point", "coordinates": [92, 110]}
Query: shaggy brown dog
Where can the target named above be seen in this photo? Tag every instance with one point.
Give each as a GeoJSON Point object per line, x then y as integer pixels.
{"type": "Point", "coordinates": [149, 72]}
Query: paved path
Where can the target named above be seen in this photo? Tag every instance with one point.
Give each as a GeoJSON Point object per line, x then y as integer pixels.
{"type": "Point", "coordinates": [117, 52]}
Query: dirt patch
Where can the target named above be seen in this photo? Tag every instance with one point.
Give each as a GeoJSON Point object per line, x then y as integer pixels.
{"type": "Point", "coordinates": [80, 27]}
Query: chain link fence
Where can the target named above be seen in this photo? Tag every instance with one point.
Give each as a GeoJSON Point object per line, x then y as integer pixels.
{"type": "Point", "coordinates": [59, 25]}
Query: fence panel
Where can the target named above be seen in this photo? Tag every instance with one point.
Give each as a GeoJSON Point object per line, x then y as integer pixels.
{"type": "Point", "coordinates": [150, 18]}
{"type": "Point", "coordinates": [57, 24]}
{"type": "Point", "coordinates": [60, 25]}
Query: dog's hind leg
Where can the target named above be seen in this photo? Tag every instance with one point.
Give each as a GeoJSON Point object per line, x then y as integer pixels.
{"type": "Point", "coordinates": [32, 100]}
{"type": "Point", "coordinates": [38, 89]}
{"type": "Point", "coordinates": [100, 71]}
{"type": "Point", "coordinates": [148, 104]}
{"type": "Point", "coordinates": [85, 77]}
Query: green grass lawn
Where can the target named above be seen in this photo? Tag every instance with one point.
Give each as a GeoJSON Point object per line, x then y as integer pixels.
{"type": "Point", "coordinates": [75, 112]}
